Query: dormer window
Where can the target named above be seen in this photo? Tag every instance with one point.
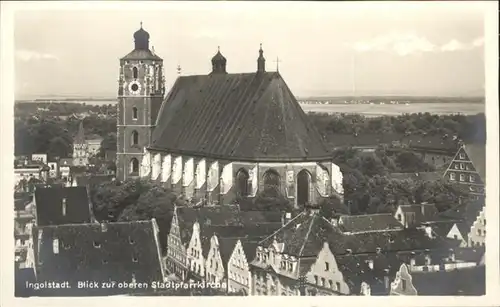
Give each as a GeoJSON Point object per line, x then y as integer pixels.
{"type": "Point", "coordinates": [134, 259]}
{"type": "Point", "coordinates": [131, 240]}
{"type": "Point", "coordinates": [97, 244]}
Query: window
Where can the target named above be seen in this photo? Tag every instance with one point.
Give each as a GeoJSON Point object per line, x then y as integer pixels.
{"type": "Point", "coordinates": [322, 282]}
{"type": "Point", "coordinates": [135, 138]}
{"type": "Point", "coordinates": [331, 283]}
{"type": "Point", "coordinates": [462, 156]}
{"type": "Point", "coordinates": [134, 113]}
{"type": "Point", "coordinates": [316, 279]}
{"type": "Point", "coordinates": [64, 206]}
{"type": "Point", "coordinates": [471, 178]}
{"type": "Point", "coordinates": [211, 263]}
{"type": "Point", "coordinates": [399, 217]}
{"type": "Point", "coordinates": [403, 284]}
{"type": "Point", "coordinates": [134, 166]}
{"type": "Point", "coordinates": [327, 266]}
{"type": "Point", "coordinates": [216, 266]}
{"type": "Point", "coordinates": [462, 177]}
{"type": "Point", "coordinates": [462, 166]}
{"type": "Point", "coordinates": [455, 237]}
{"type": "Point", "coordinates": [338, 286]}
{"type": "Point", "coordinates": [55, 246]}
{"type": "Point", "coordinates": [242, 179]}
{"type": "Point", "coordinates": [456, 166]}
{"type": "Point", "coordinates": [452, 176]}
{"type": "Point", "coordinates": [484, 222]}
{"type": "Point", "coordinates": [135, 72]}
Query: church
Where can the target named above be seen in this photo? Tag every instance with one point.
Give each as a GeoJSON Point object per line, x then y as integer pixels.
{"type": "Point", "coordinates": [218, 136]}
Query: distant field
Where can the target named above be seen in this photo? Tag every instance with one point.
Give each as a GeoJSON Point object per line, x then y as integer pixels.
{"type": "Point", "coordinates": [434, 106]}
{"type": "Point", "coordinates": [398, 109]}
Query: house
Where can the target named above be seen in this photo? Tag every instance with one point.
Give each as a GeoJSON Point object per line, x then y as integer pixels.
{"type": "Point", "coordinates": [467, 281]}
{"type": "Point", "coordinates": [182, 227]}
{"type": "Point", "coordinates": [312, 256]}
{"type": "Point", "coordinates": [217, 259]}
{"type": "Point", "coordinates": [125, 253]}
{"type": "Point", "coordinates": [57, 205]}
{"type": "Point", "coordinates": [468, 168]}
{"type": "Point", "coordinates": [201, 240]}
{"type": "Point", "coordinates": [238, 267]}
{"type": "Point", "coordinates": [470, 227]}
{"type": "Point", "coordinates": [416, 214]}
{"type": "Point", "coordinates": [23, 221]}
{"type": "Point", "coordinates": [65, 168]}
{"type": "Point", "coordinates": [40, 157]}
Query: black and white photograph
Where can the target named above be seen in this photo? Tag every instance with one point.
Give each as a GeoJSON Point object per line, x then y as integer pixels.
{"type": "Point", "coordinates": [251, 149]}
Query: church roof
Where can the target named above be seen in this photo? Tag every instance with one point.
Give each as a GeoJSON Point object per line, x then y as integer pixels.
{"type": "Point", "coordinates": [246, 117]}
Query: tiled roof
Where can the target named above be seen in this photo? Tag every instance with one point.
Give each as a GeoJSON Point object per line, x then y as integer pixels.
{"type": "Point", "coordinates": [423, 176]}
{"type": "Point", "coordinates": [477, 154]}
{"type": "Point", "coordinates": [467, 254]}
{"type": "Point", "coordinates": [49, 205]}
{"type": "Point", "coordinates": [467, 213]}
{"type": "Point", "coordinates": [467, 281]}
{"type": "Point", "coordinates": [225, 215]}
{"type": "Point", "coordinates": [368, 222]}
{"type": "Point", "coordinates": [259, 217]}
{"type": "Point", "coordinates": [141, 54]}
{"type": "Point", "coordinates": [436, 142]}
{"type": "Point", "coordinates": [247, 117]}
{"type": "Point", "coordinates": [305, 235]}
{"type": "Point", "coordinates": [66, 162]}
{"type": "Point", "coordinates": [249, 248]}
{"type": "Point", "coordinates": [95, 253]}
{"type": "Point", "coordinates": [226, 247]}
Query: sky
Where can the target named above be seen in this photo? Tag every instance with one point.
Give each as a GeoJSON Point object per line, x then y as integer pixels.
{"type": "Point", "coordinates": [324, 48]}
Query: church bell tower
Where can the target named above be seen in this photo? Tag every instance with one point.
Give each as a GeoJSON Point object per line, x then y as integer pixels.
{"type": "Point", "coordinates": [140, 95]}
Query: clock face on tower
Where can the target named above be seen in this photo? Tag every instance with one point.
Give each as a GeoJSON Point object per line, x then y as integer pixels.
{"type": "Point", "coordinates": [134, 87]}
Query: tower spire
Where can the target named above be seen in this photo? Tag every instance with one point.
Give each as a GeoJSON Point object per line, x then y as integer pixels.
{"type": "Point", "coordinates": [261, 61]}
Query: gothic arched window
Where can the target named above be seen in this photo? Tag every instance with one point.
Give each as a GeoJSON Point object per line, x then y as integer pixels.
{"type": "Point", "coordinates": [303, 187]}
{"type": "Point", "coordinates": [134, 113]}
{"type": "Point", "coordinates": [242, 182]}
{"type": "Point", "coordinates": [135, 138]}
{"type": "Point", "coordinates": [134, 166]}
{"type": "Point", "coordinates": [135, 72]}
{"type": "Point", "coordinates": [272, 180]}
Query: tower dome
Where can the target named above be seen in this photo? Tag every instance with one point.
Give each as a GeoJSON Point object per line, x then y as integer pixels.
{"type": "Point", "coordinates": [219, 62]}
{"type": "Point", "coordinates": [141, 39]}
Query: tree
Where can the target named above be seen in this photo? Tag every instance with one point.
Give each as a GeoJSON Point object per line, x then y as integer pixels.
{"type": "Point", "coordinates": [108, 143]}
{"type": "Point", "coordinates": [134, 200]}
{"type": "Point", "coordinates": [156, 202]}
